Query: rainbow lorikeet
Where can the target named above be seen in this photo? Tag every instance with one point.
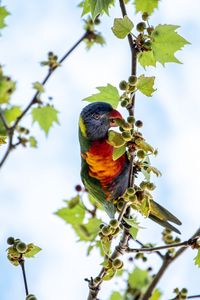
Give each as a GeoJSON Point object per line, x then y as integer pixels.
{"type": "Point", "coordinates": [104, 178]}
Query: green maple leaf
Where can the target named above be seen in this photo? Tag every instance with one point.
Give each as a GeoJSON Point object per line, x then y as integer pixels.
{"type": "Point", "coordinates": [96, 7]}
{"type": "Point", "coordinates": [45, 116]}
{"type": "Point", "coordinates": [12, 113]}
{"type": "Point", "coordinates": [145, 85]}
{"type": "Point", "coordinates": [139, 279]}
{"type": "Point", "coordinates": [197, 259]}
{"type": "Point", "coordinates": [146, 5]}
{"type": "Point", "coordinates": [118, 152]}
{"type": "Point", "coordinates": [166, 42]}
{"type": "Point", "coordinates": [3, 14]}
{"type": "Point", "coordinates": [122, 27]}
{"type": "Point", "coordinates": [134, 226]}
{"type": "Point", "coordinates": [147, 59]}
{"type": "Point", "coordinates": [7, 87]}
{"type": "Point", "coordinates": [115, 139]}
{"type": "Point", "coordinates": [156, 295]}
{"type": "Point", "coordinates": [86, 7]}
{"type": "Point", "coordinates": [39, 87]}
{"type": "Point", "coordinates": [107, 94]}
{"type": "Point", "coordinates": [89, 230]}
{"type": "Point", "coordinates": [116, 296]}
{"type": "Point", "coordinates": [72, 215]}
{"type": "Point", "coordinates": [32, 142]}
{"type": "Point", "coordinates": [32, 250]}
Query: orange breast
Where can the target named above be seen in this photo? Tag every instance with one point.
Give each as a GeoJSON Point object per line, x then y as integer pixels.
{"type": "Point", "coordinates": [100, 162]}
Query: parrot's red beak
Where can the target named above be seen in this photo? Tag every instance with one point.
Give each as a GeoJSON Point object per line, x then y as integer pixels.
{"type": "Point", "coordinates": [113, 116]}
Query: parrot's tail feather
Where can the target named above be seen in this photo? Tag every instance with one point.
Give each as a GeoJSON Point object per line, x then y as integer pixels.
{"type": "Point", "coordinates": [164, 224]}
{"type": "Point", "coordinates": [164, 212]}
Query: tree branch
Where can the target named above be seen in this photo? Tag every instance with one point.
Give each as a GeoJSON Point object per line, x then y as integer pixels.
{"type": "Point", "coordinates": [121, 248]}
{"type": "Point", "coordinates": [187, 243]}
{"type": "Point", "coordinates": [11, 130]}
{"type": "Point", "coordinates": [157, 252]}
{"type": "Point", "coordinates": [168, 259]}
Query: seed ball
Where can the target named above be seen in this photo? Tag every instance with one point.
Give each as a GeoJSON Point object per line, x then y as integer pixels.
{"type": "Point", "coordinates": [133, 198]}
{"type": "Point", "coordinates": [16, 242]}
{"type": "Point", "coordinates": [117, 263]}
{"type": "Point", "coordinates": [130, 191]}
{"type": "Point", "coordinates": [21, 247]}
{"type": "Point", "coordinates": [145, 16]}
{"type": "Point", "coordinates": [123, 85]}
{"type": "Point", "coordinates": [106, 230]}
{"type": "Point", "coordinates": [10, 240]}
{"type": "Point", "coordinates": [124, 103]}
{"type": "Point", "coordinates": [120, 204]}
{"type": "Point", "coordinates": [127, 136]}
{"type": "Point", "coordinates": [78, 188]}
{"type": "Point", "coordinates": [141, 26]}
{"type": "Point", "coordinates": [131, 120]}
{"type": "Point", "coordinates": [139, 123]}
{"type": "Point", "coordinates": [97, 21]}
{"type": "Point", "coordinates": [114, 223]}
{"type": "Point", "coordinates": [151, 186]}
{"type": "Point", "coordinates": [132, 79]}
{"type": "Point", "coordinates": [31, 297]}
{"type": "Point", "coordinates": [150, 30]}
{"type": "Point", "coordinates": [126, 126]}
{"type": "Point", "coordinates": [141, 154]}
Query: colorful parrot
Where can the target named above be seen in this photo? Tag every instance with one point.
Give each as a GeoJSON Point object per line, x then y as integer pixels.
{"type": "Point", "coordinates": [104, 178]}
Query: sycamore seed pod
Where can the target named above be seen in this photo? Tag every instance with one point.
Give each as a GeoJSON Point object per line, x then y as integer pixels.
{"type": "Point", "coordinates": [117, 263]}
{"type": "Point", "coordinates": [145, 16]}
{"type": "Point", "coordinates": [126, 136]}
{"type": "Point", "coordinates": [21, 247]}
{"type": "Point", "coordinates": [141, 26]}
{"type": "Point", "coordinates": [106, 230]}
{"type": "Point", "coordinates": [123, 85]}
{"type": "Point", "coordinates": [10, 240]}
{"type": "Point", "coordinates": [114, 223]}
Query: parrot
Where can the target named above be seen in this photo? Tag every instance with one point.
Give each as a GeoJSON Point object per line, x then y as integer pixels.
{"type": "Point", "coordinates": [104, 178]}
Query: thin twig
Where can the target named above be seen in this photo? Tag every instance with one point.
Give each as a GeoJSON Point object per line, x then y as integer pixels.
{"type": "Point", "coordinates": [154, 249]}
{"type": "Point", "coordinates": [157, 252]}
{"type": "Point", "coordinates": [168, 259]}
{"type": "Point", "coordinates": [22, 264]}
{"type": "Point", "coordinates": [50, 72]}
{"type": "Point", "coordinates": [11, 130]}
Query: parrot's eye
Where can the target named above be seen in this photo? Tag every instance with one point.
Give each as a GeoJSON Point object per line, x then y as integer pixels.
{"type": "Point", "coordinates": [96, 116]}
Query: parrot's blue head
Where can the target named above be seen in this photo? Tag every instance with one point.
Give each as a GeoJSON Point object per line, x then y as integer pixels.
{"type": "Point", "coordinates": [96, 119]}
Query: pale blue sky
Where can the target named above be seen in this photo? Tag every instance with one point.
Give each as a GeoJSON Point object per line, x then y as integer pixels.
{"type": "Point", "coordinates": [34, 182]}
